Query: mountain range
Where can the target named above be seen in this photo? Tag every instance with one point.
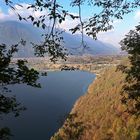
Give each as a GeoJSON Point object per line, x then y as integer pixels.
{"type": "Point", "coordinates": [12, 32]}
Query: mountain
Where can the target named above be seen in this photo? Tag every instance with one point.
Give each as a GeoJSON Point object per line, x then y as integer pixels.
{"type": "Point", "coordinates": [94, 47]}
{"type": "Point", "coordinates": [12, 32]}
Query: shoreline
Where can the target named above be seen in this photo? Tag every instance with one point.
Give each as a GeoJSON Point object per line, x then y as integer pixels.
{"type": "Point", "coordinates": [77, 101]}
{"type": "Point", "coordinates": [100, 114]}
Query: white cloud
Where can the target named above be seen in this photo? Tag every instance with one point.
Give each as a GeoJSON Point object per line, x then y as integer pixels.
{"type": "Point", "coordinates": [2, 15]}
{"type": "Point", "coordinates": [137, 15]}
{"type": "Point", "coordinates": [109, 37]}
{"type": "Point", "coordinates": [117, 21]}
{"type": "Point", "coordinates": [11, 15]}
{"type": "Point", "coordinates": [69, 23]}
{"type": "Point", "coordinates": [24, 12]}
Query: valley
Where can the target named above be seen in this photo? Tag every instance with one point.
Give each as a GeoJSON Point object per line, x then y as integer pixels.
{"type": "Point", "coordinates": [93, 64]}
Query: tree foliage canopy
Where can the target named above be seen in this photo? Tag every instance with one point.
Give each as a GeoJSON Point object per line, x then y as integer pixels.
{"type": "Point", "coordinates": [12, 74]}
{"type": "Point", "coordinates": [131, 90]}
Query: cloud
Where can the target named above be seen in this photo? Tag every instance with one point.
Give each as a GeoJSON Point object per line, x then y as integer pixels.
{"type": "Point", "coordinates": [137, 15]}
{"type": "Point", "coordinates": [23, 11]}
{"type": "Point", "coordinates": [116, 22]}
{"type": "Point", "coordinates": [110, 36]}
{"type": "Point", "coordinates": [3, 16]}
{"type": "Point", "coordinates": [69, 23]}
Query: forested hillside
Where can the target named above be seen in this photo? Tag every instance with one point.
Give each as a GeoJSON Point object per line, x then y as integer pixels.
{"type": "Point", "coordinates": [99, 114]}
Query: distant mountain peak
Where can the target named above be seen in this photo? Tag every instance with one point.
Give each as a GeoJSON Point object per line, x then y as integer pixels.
{"type": "Point", "coordinates": [13, 31]}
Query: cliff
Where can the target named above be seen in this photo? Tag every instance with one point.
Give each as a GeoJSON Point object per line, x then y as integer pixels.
{"type": "Point", "coordinates": [99, 114]}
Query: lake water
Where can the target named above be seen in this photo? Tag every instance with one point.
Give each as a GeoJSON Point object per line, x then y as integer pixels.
{"type": "Point", "coordinates": [46, 107]}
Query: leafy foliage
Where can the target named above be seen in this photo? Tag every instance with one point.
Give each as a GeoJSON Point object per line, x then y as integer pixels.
{"type": "Point", "coordinates": [54, 14]}
{"type": "Point", "coordinates": [5, 133]}
{"type": "Point", "coordinates": [13, 74]}
{"type": "Point", "coordinates": [52, 45]}
{"type": "Point", "coordinates": [131, 44]}
{"type": "Point", "coordinates": [18, 73]}
{"type": "Point", "coordinates": [110, 10]}
{"type": "Point", "coordinates": [9, 104]}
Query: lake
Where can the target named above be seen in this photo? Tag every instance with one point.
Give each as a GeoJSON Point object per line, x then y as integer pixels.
{"type": "Point", "coordinates": [47, 107]}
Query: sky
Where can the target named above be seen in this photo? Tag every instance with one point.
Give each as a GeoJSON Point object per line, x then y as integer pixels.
{"type": "Point", "coordinates": [121, 27]}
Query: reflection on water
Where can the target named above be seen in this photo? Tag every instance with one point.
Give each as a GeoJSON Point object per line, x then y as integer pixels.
{"type": "Point", "coordinates": [46, 107]}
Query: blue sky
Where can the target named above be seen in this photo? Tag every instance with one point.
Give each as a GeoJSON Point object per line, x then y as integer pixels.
{"type": "Point", "coordinates": [121, 27]}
